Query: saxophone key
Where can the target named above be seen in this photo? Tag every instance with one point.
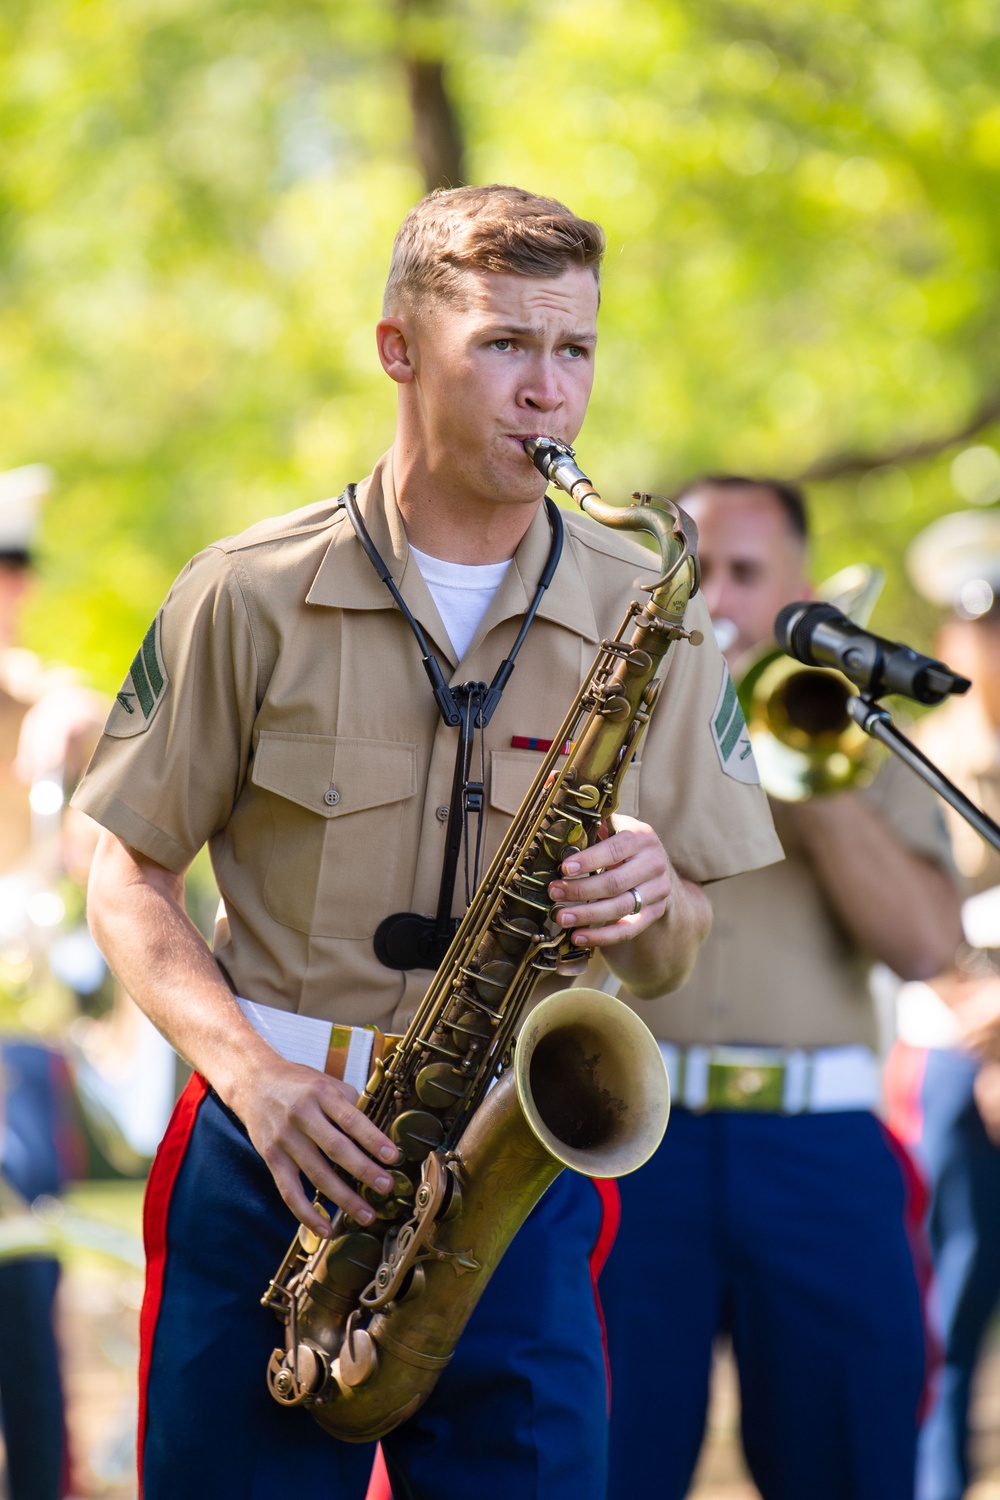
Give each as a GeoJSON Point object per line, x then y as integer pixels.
{"type": "Point", "coordinates": [398, 1200]}
{"type": "Point", "coordinates": [471, 1031]}
{"type": "Point", "coordinates": [586, 796]}
{"type": "Point", "coordinates": [294, 1378]}
{"type": "Point", "coordinates": [440, 1086]}
{"type": "Point", "coordinates": [417, 1133]}
{"type": "Point", "coordinates": [515, 934]}
{"type": "Point", "coordinates": [351, 1261]}
{"type": "Point", "coordinates": [562, 831]}
{"type": "Point", "coordinates": [358, 1359]}
{"type": "Point", "coordinates": [639, 662]}
{"type": "Point", "coordinates": [309, 1241]}
{"type": "Point", "coordinates": [494, 978]}
{"type": "Point", "coordinates": [617, 708]}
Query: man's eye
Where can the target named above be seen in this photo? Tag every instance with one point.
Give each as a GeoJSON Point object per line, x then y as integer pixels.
{"type": "Point", "coordinates": [501, 344]}
{"type": "Point", "coordinates": [575, 351]}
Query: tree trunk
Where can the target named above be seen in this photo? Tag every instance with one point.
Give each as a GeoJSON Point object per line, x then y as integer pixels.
{"type": "Point", "coordinates": [437, 134]}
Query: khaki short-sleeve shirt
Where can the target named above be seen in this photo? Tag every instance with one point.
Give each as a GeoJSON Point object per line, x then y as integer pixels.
{"type": "Point", "coordinates": [777, 968]}
{"type": "Point", "coordinates": [278, 710]}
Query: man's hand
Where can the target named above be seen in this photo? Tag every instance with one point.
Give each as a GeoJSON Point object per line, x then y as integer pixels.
{"type": "Point", "coordinates": [596, 891]}
{"type": "Point", "coordinates": [894, 902]}
{"type": "Point", "coordinates": [975, 1000]}
{"type": "Point", "coordinates": [59, 732]}
{"type": "Point", "coordinates": [987, 1095]}
{"type": "Point", "coordinates": [302, 1121]}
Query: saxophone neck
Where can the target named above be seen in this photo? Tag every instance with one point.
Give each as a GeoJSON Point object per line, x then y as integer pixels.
{"type": "Point", "coordinates": [671, 528]}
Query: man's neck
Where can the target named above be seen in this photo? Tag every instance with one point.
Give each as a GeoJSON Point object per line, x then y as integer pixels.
{"type": "Point", "coordinates": [450, 523]}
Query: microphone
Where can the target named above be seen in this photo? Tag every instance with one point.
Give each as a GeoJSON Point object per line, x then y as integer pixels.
{"type": "Point", "coordinates": [821, 636]}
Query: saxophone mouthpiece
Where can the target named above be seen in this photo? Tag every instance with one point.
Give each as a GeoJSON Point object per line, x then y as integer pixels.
{"type": "Point", "coordinates": [556, 462]}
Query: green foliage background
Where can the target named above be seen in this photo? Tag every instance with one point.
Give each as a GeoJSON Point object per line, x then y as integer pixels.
{"type": "Point", "coordinates": [197, 202]}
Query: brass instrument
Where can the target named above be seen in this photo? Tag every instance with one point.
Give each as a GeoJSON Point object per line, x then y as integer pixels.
{"type": "Point", "coordinates": [804, 741]}
{"type": "Point", "coordinates": [372, 1315]}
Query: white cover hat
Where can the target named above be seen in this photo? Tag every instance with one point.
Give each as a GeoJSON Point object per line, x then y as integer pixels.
{"type": "Point", "coordinates": [21, 494]}
{"type": "Point", "coordinates": [955, 561]}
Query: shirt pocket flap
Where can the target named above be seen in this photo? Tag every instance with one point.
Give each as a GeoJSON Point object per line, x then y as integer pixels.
{"type": "Point", "coordinates": [333, 776]}
{"type": "Point", "coordinates": [512, 772]}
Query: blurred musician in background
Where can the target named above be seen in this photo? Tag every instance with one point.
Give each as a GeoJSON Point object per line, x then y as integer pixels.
{"type": "Point", "coordinates": [48, 725]}
{"type": "Point", "coordinates": [776, 1210]}
{"type": "Point", "coordinates": [943, 1079]}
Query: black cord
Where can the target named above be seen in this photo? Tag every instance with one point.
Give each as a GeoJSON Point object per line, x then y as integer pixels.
{"type": "Point", "coordinates": [443, 694]}
{"type": "Point", "coordinates": [467, 708]}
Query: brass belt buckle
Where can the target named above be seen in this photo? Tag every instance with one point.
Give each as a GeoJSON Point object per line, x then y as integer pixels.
{"type": "Point", "coordinates": [751, 1083]}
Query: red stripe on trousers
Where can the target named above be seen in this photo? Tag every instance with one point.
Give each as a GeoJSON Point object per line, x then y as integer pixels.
{"type": "Point", "coordinates": [914, 1219]}
{"type": "Point", "coordinates": [379, 1487]}
{"type": "Point", "coordinates": [611, 1216]}
{"type": "Point", "coordinates": [160, 1186]}
{"type": "Point", "coordinates": [903, 1083]}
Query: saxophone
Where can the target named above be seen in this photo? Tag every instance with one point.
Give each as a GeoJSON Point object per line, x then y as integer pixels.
{"type": "Point", "coordinates": [371, 1316]}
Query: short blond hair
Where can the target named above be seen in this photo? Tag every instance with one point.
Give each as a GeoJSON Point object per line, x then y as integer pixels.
{"type": "Point", "coordinates": [493, 228]}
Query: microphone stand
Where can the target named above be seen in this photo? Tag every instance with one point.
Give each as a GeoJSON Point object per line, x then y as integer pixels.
{"type": "Point", "coordinates": [877, 722]}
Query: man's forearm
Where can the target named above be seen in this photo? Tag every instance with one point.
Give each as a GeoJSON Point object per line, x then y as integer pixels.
{"type": "Point", "coordinates": [896, 904]}
{"type": "Point", "coordinates": [662, 957]}
{"type": "Point", "coordinates": [136, 912]}
{"type": "Point", "coordinates": [301, 1121]}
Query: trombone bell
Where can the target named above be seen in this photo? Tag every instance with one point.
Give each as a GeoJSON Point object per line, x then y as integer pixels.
{"type": "Point", "coordinates": [804, 741]}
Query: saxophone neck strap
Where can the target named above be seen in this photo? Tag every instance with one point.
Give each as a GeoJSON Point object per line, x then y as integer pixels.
{"type": "Point", "coordinates": [445, 696]}
{"type": "Point", "coordinates": [407, 940]}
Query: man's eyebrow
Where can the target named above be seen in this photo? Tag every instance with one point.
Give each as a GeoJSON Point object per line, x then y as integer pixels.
{"type": "Point", "coordinates": [532, 330]}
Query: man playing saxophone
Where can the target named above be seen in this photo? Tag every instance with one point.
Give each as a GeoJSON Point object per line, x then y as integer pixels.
{"type": "Point", "coordinates": [277, 709]}
{"type": "Point", "coordinates": [778, 1211]}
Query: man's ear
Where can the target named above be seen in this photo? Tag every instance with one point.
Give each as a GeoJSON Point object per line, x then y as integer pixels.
{"type": "Point", "coordinates": [395, 349]}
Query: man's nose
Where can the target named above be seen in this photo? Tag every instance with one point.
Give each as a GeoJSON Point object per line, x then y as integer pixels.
{"type": "Point", "coordinates": [715, 594]}
{"type": "Point", "coordinates": [541, 389]}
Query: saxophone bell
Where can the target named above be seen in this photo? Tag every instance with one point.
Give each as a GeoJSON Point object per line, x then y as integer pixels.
{"type": "Point", "coordinates": [592, 1083]}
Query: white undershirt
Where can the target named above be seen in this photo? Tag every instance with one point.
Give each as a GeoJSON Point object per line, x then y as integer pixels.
{"type": "Point", "coordinates": [462, 593]}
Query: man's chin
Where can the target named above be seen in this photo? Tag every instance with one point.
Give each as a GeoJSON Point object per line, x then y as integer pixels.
{"type": "Point", "coordinates": [517, 483]}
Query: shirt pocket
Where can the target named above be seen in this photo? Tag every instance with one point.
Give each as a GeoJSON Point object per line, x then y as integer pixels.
{"type": "Point", "coordinates": [511, 774]}
{"type": "Point", "coordinates": [336, 809]}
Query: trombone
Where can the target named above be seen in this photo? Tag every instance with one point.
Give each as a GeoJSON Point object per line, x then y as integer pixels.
{"type": "Point", "coordinates": [804, 741]}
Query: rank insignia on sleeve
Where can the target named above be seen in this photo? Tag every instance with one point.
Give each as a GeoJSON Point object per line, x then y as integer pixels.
{"type": "Point", "coordinates": [731, 736]}
{"type": "Point", "coordinates": [143, 690]}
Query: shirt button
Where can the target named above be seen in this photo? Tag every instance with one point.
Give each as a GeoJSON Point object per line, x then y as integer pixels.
{"type": "Point", "coordinates": [442, 815]}
{"type": "Point", "coordinates": [332, 797]}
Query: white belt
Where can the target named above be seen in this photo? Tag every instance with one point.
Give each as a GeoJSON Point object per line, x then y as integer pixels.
{"type": "Point", "coordinates": [347, 1052]}
{"type": "Point", "coordinates": [777, 1079]}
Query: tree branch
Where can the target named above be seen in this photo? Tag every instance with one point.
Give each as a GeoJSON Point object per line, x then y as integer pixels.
{"type": "Point", "coordinates": [839, 465]}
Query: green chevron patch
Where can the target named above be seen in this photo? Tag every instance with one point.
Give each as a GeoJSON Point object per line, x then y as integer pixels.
{"type": "Point", "coordinates": [143, 690]}
{"type": "Point", "coordinates": [731, 736]}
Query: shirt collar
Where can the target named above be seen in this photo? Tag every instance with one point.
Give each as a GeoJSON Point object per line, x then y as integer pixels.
{"type": "Point", "coordinates": [346, 580]}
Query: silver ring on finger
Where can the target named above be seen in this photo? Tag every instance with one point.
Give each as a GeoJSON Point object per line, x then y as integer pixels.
{"type": "Point", "coordinates": [637, 908]}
